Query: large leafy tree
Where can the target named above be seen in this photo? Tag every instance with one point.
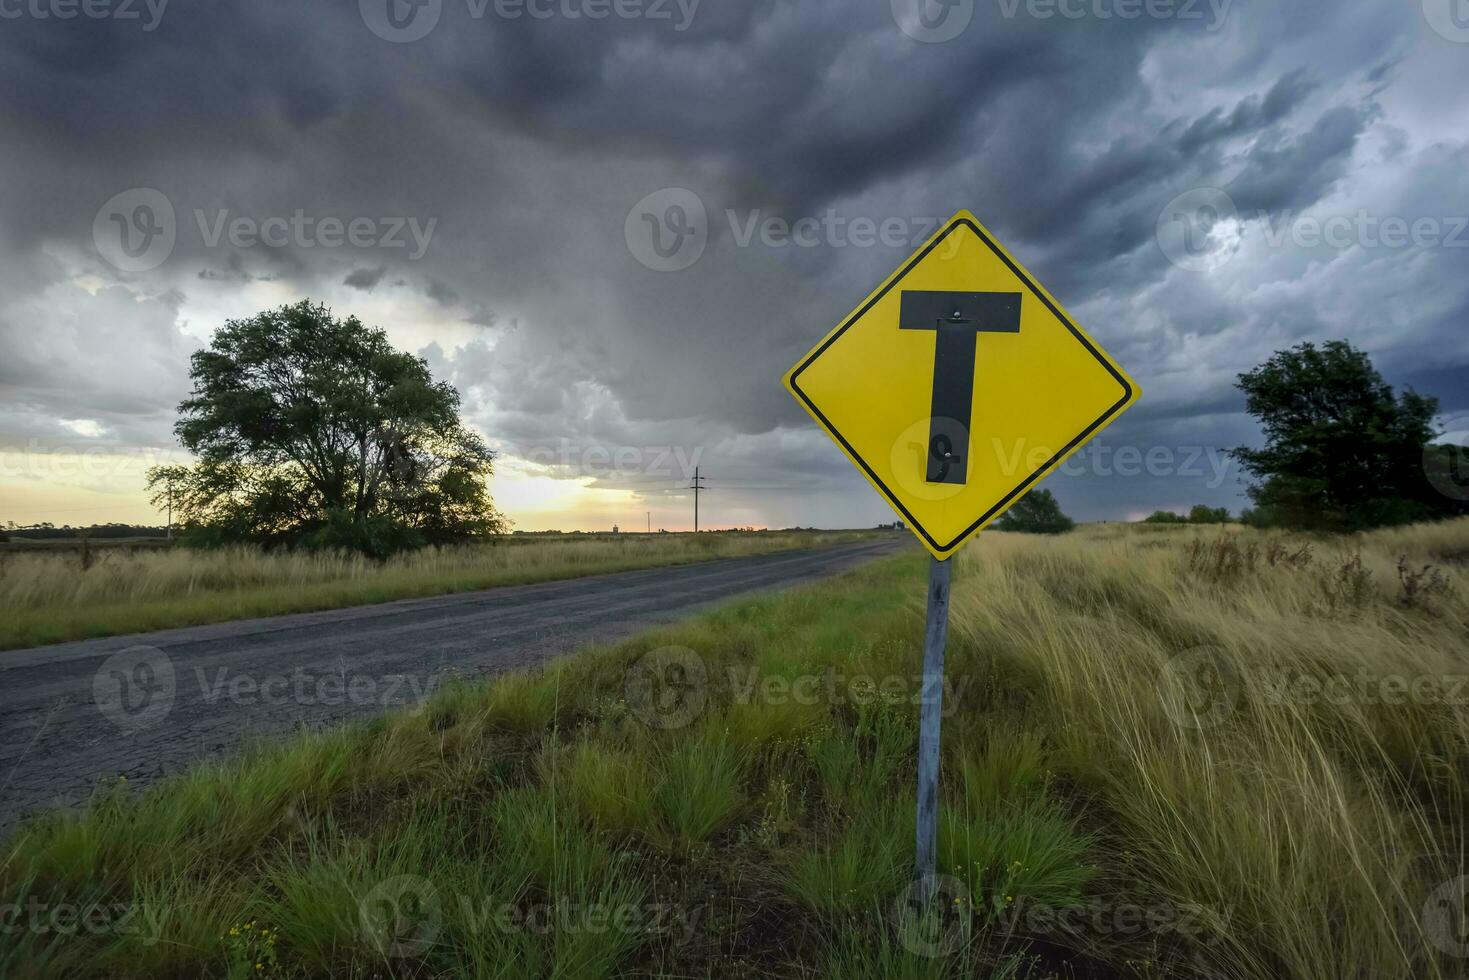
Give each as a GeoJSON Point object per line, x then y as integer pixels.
{"type": "Point", "coordinates": [1342, 450]}
{"type": "Point", "coordinates": [314, 430]}
{"type": "Point", "coordinates": [1038, 512]}
{"type": "Point", "coordinates": [1204, 514]}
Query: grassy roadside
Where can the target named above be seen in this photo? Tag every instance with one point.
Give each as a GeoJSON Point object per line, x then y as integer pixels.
{"type": "Point", "coordinates": [48, 598]}
{"type": "Point", "coordinates": [1150, 770]}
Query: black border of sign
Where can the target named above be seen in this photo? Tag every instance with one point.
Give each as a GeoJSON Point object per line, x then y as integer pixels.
{"type": "Point", "coordinates": [1024, 484]}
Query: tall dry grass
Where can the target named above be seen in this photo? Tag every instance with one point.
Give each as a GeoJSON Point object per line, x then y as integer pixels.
{"type": "Point", "coordinates": [1129, 739]}
{"type": "Point", "coordinates": [1278, 726]}
{"type": "Point", "coordinates": [54, 596]}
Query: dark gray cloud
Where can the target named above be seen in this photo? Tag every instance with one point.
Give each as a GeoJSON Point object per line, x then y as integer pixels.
{"type": "Point", "coordinates": [470, 191]}
{"type": "Point", "coordinates": [365, 278]}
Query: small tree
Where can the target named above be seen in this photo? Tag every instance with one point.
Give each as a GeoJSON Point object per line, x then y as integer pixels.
{"type": "Point", "coordinates": [1035, 513]}
{"type": "Point", "coordinates": [1342, 450]}
{"type": "Point", "coordinates": [1204, 514]}
{"type": "Point", "coordinates": [314, 430]}
{"type": "Point", "coordinates": [1164, 517]}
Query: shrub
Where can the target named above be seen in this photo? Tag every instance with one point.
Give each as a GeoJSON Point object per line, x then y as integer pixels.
{"type": "Point", "coordinates": [1035, 513]}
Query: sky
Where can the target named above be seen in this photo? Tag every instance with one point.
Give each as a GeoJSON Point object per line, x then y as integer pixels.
{"type": "Point", "coordinates": [614, 224]}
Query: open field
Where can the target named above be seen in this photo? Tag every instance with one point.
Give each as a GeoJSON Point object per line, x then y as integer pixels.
{"type": "Point", "coordinates": [1168, 752]}
{"type": "Point", "coordinates": [73, 546]}
{"type": "Point", "coordinates": [49, 596]}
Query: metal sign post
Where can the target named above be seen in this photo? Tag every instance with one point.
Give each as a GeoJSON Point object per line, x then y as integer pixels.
{"type": "Point", "coordinates": [935, 637]}
{"type": "Point", "coordinates": [998, 414]}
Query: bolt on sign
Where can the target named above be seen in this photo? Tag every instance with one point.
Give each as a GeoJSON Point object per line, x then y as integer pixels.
{"type": "Point", "coordinates": [958, 385]}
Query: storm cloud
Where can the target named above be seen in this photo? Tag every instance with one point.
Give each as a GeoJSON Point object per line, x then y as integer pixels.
{"type": "Point", "coordinates": [474, 176]}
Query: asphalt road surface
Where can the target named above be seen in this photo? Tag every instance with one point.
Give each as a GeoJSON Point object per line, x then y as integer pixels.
{"type": "Point", "coordinates": [151, 704]}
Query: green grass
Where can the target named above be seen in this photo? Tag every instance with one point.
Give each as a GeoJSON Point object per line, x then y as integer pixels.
{"type": "Point", "coordinates": [862, 870]}
{"type": "Point", "coordinates": [698, 791]}
{"type": "Point", "coordinates": [609, 787]}
{"type": "Point", "coordinates": [51, 595]}
{"type": "Point", "coordinates": [536, 825]}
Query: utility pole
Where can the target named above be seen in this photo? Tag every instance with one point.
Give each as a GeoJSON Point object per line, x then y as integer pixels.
{"type": "Point", "coordinates": [650, 522]}
{"type": "Point", "coordinates": [698, 485]}
{"type": "Point", "coordinates": [168, 532]}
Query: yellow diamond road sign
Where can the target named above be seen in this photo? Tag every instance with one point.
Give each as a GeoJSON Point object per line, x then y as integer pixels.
{"type": "Point", "coordinates": [959, 384]}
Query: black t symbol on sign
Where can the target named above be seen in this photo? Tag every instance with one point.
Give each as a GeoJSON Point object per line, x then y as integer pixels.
{"type": "Point", "coordinates": [959, 318]}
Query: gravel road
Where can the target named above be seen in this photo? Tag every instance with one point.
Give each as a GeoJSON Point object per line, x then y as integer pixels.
{"type": "Point", "coordinates": [150, 704]}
